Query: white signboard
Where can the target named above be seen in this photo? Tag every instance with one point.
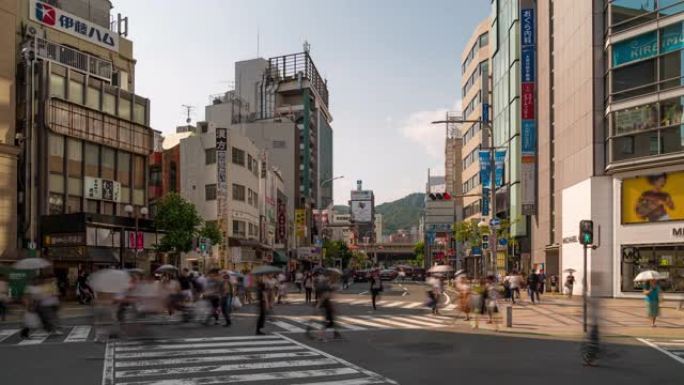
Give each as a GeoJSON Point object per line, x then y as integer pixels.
{"type": "Point", "coordinates": [53, 17]}
{"type": "Point", "coordinates": [362, 211]}
{"type": "Point", "coordinates": [102, 189]}
{"type": "Point", "coordinates": [363, 195]}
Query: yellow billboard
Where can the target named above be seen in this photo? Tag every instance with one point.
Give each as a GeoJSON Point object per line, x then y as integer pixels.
{"type": "Point", "coordinates": [653, 198]}
{"type": "Point", "coordinates": [300, 222]}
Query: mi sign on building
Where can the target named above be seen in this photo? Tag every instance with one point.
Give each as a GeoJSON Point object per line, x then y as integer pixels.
{"type": "Point", "coordinates": [53, 17]}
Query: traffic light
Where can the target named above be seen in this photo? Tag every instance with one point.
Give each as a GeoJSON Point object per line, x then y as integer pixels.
{"type": "Point", "coordinates": [203, 244]}
{"type": "Point", "coordinates": [445, 196]}
{"type": "Point", "coordinates": [586, 235]}
{"type": "Point", "coordinates": [485, 242]}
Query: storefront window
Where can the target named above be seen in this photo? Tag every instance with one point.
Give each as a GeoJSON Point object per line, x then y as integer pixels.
{"type": "Point", "coordinates": [635, 146]}
{"type": "Point", "coordinates": [672, 139]}
{"type": "Point", "coordinates": [635, 79]}
{"type": "Point", "coordinates": [668, 260]}
{"type": "Point", "coordinates": [635, 119]}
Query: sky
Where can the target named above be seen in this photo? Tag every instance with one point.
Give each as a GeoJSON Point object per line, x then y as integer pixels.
{"type": "Point", "coordinates": [392, 66]}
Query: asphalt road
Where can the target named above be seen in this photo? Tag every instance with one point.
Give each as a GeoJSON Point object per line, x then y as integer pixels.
{"type": "Point", "coordinates": [409, 349]}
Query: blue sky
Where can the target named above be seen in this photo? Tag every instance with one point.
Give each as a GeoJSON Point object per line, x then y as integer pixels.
{"type": "Point", "coordinates": [392, 67]}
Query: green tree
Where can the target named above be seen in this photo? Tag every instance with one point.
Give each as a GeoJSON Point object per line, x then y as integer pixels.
{"type": "Point", "coordinates": [178, 218]}
{"type": "Point", "coordinates": [469, 233]}
{"type": "Point", "coordinates": [419, 250]}
{"type": "Point", "coordinates": [335, 250]}
{"type": "Point", "coordinates": [358, 260]}
{"type": "Point", "coordinates": [211, 231]}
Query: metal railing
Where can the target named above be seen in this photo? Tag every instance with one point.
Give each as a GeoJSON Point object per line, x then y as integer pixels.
{"type": "Point", "coordinates": [73, 58]}
{"type": "Point", "coordinates": [288, 67]}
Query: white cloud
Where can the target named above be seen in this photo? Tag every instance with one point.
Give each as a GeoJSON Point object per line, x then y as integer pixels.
{"type": "Point", "coordinates": [430, 137]}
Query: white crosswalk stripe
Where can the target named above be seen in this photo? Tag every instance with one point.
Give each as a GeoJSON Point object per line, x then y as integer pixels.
{"type": "Point", "coordinates": [185, 362]}
{"type": "Point", "coordinates": [299, 324]}
{"type": "Point", "coordinates": [70, 334]}
{"type": "Point", "coordinates": [35, 339]}
{"type": "Point", "coordinates": [78, 334]}
{"type": "Point", "coordinates": [672, 348]}
{"type": "Point", "coordinates": [4, 334]}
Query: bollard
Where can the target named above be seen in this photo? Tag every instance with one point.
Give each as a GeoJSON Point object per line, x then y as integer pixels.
{"type": "Point", "coordinates": [509, 316]}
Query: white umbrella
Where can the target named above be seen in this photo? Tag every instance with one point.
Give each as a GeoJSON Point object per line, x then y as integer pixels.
{"type": "Point", "coordinates": [648, 275]}
{"type": "Point", "coordinates": [109, 281]}
{"type": "Point", "coordinates": [441, 269]}
{"type": "Point", "coordinates": [231, 272]}
{"type": "Point", "coordinates": [31, 264]}
{"type": "Point", "coordinates": [332, 270]}
{"type": "Point", "coordinates": [460, 272]}
{"type": "Point", "coordinates": [266, 269]}
{"type": "Point", "coordinates": [165, 268]}
{"type": "Point", "coordinates": [569, 271]}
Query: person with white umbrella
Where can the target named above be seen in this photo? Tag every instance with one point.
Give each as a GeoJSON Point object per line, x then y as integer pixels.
{"type": "Point", "coordinates": [652, 292]}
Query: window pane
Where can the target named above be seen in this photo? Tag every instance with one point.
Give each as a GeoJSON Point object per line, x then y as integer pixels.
{"type": "Point", "coordinates": [57, 84]}
{"type": "Point", "coordinates": [91, 207]}
{"type": "Point", "coordinates": [238, 192]}
{"type": "Point", "coordinates": [238, 156]}
{"type": "Point", "coordinates": [125, 108]}
{"type": "Point", "coordinates": [109, 103]}
{"type": "Point", "coordinates": [56, 183]}
{"type": "Point", "coordinates": [635, 119]}
{"type": "Point", "coordinates": [56, 150]}
{"type": "Point", "coordinates": [138, 172]}
{"type": "Point", "coordinates": [636, 11]}
{"type": "Point", "coordinates": [672, 139]}
{"type": "Point", "coordinates": [73, 205]}
{"type": "Point", "coordinates": [635, 146]}
{"type": "Point", "coordinates": [210, 192]}
{"type": "Point", "coordinates": [108, 163]}
{"type": "Point", "coordinates": [75, 91]}
{"type": "Point", "coordinates": [671, 70]}
{"type": "Point", "coordinates": [210, 156]}
{"type": "Point", "coordinates": [635, 79]}
{"type": "Point", "coordinates": [92, 159]}
{"type": "Point", "coordinates": [56, 204]}
{"type": "Point", "coordinates": [125, 195]}
{"type": "Point", "coordinates": [75, 186]}
{"type": "Point", "coordinates": [123, 171]}
{"type": "Point", "coordinates": [75, 157]}
{"type": "Point", "coordinates": [93, 98]}
{"type": "Point", "coordinates": [139, 113]}
{"type": "Point", "coordinates": [670, 7]}
{"type": "Point", "coordinates": [138, 197]}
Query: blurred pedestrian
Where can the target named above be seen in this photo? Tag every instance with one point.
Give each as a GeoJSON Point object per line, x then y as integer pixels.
{"type": "Point", "coordinates": [463, 289]}
{"type": "Point", "coordinates": [261, 299]}
{"type": "Point", "coordinates": [299, 280]}
{"type": "Point", "coordinates": [533, 286]}
{"type": "Point", "coordinates": [227, 292]}
{"type": "Point", "coordinates": [569, 284]}
{"type": "Point", "coordinates": [308, 286]}
{"type": "Point", "coordinates": [652, 293]}
{"type": "Point", "coordinates": [514, 281]}
{"type": "Point", "coordinates": [4, 297]}
{"type": "Point", "coordinates": [282, 287]}
{"type": "Point", "coordinates": [212, 293]}
{"type": "Point", "coordinates": [542, 282]}
{"type": "Point", "coordinates": [185, 285]}
{"type": "Point", "coordinates": [554, 283]}
{"type": "Point", "coordinates": [325, 291]}
{"type": "Point", "coordinates": [434, 293]}
{"type": "Point", "coordinates": [491, 301]}
{"type": "Point", "coordinates": [375, 287]}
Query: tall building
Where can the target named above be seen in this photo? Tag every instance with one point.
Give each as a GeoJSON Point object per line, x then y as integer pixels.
{"type": "Point", "coordinates": [286, 113]}
{"type": "Point", "coordinates": [10, 14]}
{"type": "Point", "coordinates": [474, 84]}
{"type": "Point", "coordinates": [85, 139]}
{"type": "Point", "coordinates": [362, 208]}
{"type": "Point", "coordinates": [515, 200]}
{"type": "Point", "coordinates": [453, 163]}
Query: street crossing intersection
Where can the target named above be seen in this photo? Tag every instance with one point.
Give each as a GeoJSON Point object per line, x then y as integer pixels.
{"type": "Point", "coordinates": [673, 348]}
{"type": "Point", "coordinates": [275, 359]}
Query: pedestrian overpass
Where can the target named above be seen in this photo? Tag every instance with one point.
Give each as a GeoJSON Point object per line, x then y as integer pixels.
{"type": "Point", "coordinates": [389, 253]}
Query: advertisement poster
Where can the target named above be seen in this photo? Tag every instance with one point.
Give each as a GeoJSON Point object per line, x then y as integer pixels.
{"type": "Point", "coordinates": [653, 198]}
{"type": "Point", "coordinates": [300, 222]}
{"type": "Point", "coordinates": [499, 163]}
{"type": "Point", "coordinates": [362, 211]}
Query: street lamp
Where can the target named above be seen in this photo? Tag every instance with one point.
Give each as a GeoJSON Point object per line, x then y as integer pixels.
{"type": "Point", "coordinates": [129, 209]}
{"type": "Point", "coordinates": [486, 125]}
{"type": "Point", "coordinates": [320, 201]}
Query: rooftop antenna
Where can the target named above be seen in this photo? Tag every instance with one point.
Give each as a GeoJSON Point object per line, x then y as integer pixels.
{"type": "Point", "coordinates": [307, 46]}
{"type": "Point", "coordinates": [188, 110]}
{"type": "Point", "coordinates": [257, 42]}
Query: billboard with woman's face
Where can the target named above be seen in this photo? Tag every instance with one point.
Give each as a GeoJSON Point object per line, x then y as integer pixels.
{"type": "Point", "coordinates": [653, 198]}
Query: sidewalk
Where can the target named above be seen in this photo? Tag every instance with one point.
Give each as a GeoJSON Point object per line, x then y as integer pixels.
{"type": "Point", "coordinates": [562, 317]}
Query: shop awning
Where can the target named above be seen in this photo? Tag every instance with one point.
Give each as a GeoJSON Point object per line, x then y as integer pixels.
{"type": "Point", "coordinates": [280, 258]}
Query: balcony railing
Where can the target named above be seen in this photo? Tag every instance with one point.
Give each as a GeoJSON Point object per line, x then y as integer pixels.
{"type": "Point", "coordinates": [73, 58]}
{"type": "Point", "coordinates": [288, 67]}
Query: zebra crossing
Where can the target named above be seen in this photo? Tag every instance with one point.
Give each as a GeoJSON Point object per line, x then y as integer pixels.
{"type": "Point", "coordinates": [70, 334]}
{"type": "Point", "coordinates": [275, 359]}
{"type": "Point", "coordinates": [382, 303]}
{"type": "Point", "coordinates": [673, 348]}
{"type": "Point", "coordinates": [300, 324]}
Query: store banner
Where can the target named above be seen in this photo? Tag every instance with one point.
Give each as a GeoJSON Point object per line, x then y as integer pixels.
{"type": "Point", "coordinates": [653, 198]}
{"type": "Point", "coordinates": [527, 102]}
{"type": "Point", "coordinates": [300, 222]}
{"type": "Point", "coordinates": [485, 168]}
{"type": "Point", "coordinates": [528, 107]}
{"type": "Point", "coordinates": [528, 136]}
{"type": "Point", "coordinates": [528, 64]}
{"type": "Point", "coordinates": [485, 201]}
{"type": "Point", "coordinates": [672, 38]}
{"type": "Point", "coordinates": [637, 48]}
{"type": "Point", "coordinates": [499, 162]}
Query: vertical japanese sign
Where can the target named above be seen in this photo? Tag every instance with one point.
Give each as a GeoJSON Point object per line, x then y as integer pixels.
{"type": "Point", "coordinates": [499, 162]}
{"type": "Point", "coordinates": [300, 222]}
{"type": "Point", "coordinates": [528, 130]}
{"type": "Point", "coordinates": [485, 179]}
{"type": "Point", "coordinates": [222, 183]}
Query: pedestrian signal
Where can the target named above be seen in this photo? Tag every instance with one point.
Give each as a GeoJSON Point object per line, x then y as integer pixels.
{"type": "Point", "coordinates": [586, 235]}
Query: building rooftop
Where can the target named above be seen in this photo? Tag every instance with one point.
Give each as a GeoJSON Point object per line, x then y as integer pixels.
{"type": "Point", "coordinates": [289, 67]}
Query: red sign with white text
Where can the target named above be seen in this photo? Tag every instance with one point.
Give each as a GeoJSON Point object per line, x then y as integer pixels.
{"type": "Point", "coordinates": [527, 110]}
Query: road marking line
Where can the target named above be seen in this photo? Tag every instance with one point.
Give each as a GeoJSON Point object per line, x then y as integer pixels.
{"type": "Point", "coordinates": [222, 368]}
{"type": "Point", "coordinates": [197, 346]}
{"type": "Point", "coordinates": [201, 339]}
{"type": "Point", "coordinates": [78, 334]}
{"type": "Point", "coordinates": [395, 304]}
{"type": "Point", "coordinates": [450, 307]}
{"type": "Point", "coordinates": [6, 333]}
{"type": "Point", "coordinates": [422, 322]}
{"type": "Point", "coordinates": [344, 300]}
{"type": "Point", "coordinates": [108, 365]}
{"type": "Point", "coordinates": [250, 377]}
{"type": "Point", "coordinates": [666, 352]}
{"type": "Point", "coordinates": [354, 381]}
{"type": "Point", "coordinates": [342, 362]}
{"type": "Point", "coordinates": [203, 352]}
{"type": "Point", "coordinates": [349, 325]}
{"type": "Point", "coordinates": [203, 360]}
{"type": "Point", "coordinates": [362, 322]}
{"type": "Point", "coordinates": [389, 321]}
{"type": "Point", "coordinates": [382, 303]}
{"type": "Point", "coordinates": [363, 292]}
{"type": "Point", "coordinates": [35, 339]}
{"type": "Point", "coordinates": [359, 302]}
{"type": "Point", "coordinates": [288, 327]}
{"type": "Point", "coordinates": [430, 319]}
{"type": "Point", "coordinates": [412, 305]}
